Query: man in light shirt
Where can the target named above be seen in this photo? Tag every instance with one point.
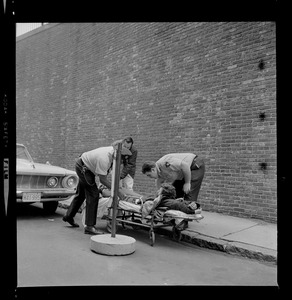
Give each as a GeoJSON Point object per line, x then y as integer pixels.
{"type": "Point", "coordinates": [97, 162]}
{"type": "Point", "coordinates": [185, 171]}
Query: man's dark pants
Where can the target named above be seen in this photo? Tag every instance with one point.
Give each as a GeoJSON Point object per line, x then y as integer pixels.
{"type": "Point", "coordinates": [197, 175]}
{"type": "Point", "coordinates": [86, 189]}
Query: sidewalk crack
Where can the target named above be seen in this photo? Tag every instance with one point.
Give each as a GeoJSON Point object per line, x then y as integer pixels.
{"type": "Point", "coordinates": [240, 230]}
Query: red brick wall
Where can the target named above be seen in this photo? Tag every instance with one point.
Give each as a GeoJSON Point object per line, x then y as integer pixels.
{"type": "Point", "coordinates": [174, 87]}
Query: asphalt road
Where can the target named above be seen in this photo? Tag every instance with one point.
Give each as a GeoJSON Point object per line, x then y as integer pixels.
{"type": "Point", "coordinates": [51, 253]}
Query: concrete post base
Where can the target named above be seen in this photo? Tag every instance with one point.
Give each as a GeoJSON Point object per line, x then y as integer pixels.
{"type": "Point", "coordinates": [108, 245]}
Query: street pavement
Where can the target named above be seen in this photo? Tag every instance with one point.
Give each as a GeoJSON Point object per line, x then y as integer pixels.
{"type": "Point", "coordinates": [51, 253]}
{"type": "Point", "coordinates": [245, 237]}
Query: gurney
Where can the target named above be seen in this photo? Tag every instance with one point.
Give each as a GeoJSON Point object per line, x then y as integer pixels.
{"type": "Point", "coordinates": [129, 212]}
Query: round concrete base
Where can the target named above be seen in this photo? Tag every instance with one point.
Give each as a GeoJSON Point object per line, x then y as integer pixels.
{"type": "Point", "coordinates": [108, 245]}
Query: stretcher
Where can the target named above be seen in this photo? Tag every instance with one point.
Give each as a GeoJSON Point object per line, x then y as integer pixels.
{"type": "Point", "coordinates": [129, 213]}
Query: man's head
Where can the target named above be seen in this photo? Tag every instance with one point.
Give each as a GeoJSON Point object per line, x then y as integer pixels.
{"type": "Point", "coordinates": [127, 142]}
{"type": "Point", "coordinates": [149, 169]}
{"type": "Point", "coordinates": [126, 145]}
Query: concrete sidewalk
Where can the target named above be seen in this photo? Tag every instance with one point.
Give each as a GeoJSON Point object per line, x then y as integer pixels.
{"type": "Point", "coordinates": [239, 236]}
{"type": "Point", "coordinates": [250, 238]}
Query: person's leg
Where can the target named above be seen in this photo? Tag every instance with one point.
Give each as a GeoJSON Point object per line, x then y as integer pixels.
{"type": "Point", "coordinates": [77, 200]}
{"type": "Point", "coordinates": [196, 182]}
{"type": "Point", "coordinates": [176, 204]}
{"type": "Point", "coordinates": [92, 198]}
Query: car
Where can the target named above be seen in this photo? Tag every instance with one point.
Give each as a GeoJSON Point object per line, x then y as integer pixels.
{"type": "Point", "coordinates": [44, 183]}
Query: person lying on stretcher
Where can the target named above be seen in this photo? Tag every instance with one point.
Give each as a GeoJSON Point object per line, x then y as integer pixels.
{"type": "Point", "coordinates": [166, 197]}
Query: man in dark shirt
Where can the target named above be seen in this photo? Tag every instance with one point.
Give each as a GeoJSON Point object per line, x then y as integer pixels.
{"type": "Point", "coordinates": [129, 164]}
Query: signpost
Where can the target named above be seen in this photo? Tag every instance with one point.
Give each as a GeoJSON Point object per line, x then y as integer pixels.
{"type": "Point", "coordinates": [115, 186]}
{"type": "Point", "coordinates": [114, 244]}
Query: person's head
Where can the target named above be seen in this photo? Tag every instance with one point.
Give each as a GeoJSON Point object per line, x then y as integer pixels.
{"type": "Point", "coordinates": [128, 142]}
{"type": "Point", "coordinates": [149, 169]}
{"type": "Point", "coordinates": [124, 150]}
{"type": "Point", "coordinates": [167, 190]}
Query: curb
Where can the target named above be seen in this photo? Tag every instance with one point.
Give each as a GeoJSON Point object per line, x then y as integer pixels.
{"type": "Point", "coordinates": [229, 247]}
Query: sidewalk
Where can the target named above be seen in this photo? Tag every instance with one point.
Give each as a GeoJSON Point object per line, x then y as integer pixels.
{"type": "Point", "coordinates": [250, 238]}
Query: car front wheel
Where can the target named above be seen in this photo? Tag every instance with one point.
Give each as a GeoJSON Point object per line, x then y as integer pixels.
{"type": "Point", "coordinates": [50, 207]}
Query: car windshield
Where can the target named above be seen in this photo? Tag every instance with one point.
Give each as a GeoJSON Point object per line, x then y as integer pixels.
{"type": "Point", "coordinates": [22, 153]}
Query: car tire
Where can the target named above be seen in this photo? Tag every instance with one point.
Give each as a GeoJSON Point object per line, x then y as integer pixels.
{"type": "Point", "coordinates": [50, 207]}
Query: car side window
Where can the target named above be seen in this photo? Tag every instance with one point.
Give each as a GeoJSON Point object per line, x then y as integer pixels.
{"type": "Point", "coordinates": [21, 153]}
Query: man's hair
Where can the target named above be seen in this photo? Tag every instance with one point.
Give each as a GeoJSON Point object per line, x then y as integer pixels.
{"type": "Point", "coordinates": [128, 139]}
{"type": "Point", "coordinates": [168, 191]}
{"type": "Point", "coordinates": [147, 166]}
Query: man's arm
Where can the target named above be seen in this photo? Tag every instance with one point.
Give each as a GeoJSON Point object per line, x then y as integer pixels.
{"type": "Point", "coordinates": [158, 182]}
{"type": "Point", "coordinates": [103, 180]}
{"type": "Point", "coordinates": [186, 170]}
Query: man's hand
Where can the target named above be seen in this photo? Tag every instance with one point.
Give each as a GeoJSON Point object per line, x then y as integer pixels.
{"type": "Point", "coordinates": [121, 195]}
{"type": "Point", "coordinates": [187, 187]}
{"type": "Point", "coordinates": [104, 181]}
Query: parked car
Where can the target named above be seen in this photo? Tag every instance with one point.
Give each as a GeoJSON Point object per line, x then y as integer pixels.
{"type": "Point", "coordinates": [44, 183]}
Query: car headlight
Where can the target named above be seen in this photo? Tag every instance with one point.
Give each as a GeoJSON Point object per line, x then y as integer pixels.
{"type": "Point", "coordinates": [52, 182]}
{"type": "Point", "coordinates": [70, 182]}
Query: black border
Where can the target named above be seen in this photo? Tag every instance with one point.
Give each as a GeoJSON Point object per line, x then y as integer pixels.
{"type": "Point", "coordinates": [78, 11]}
{"type": "Point", "coordinates": [8, 151]}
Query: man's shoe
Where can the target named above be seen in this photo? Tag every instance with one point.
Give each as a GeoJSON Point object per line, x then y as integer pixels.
{"type": "Point", "coordinates": [70, 221]}
{"type": "Point", "coordinates": [92, 230]}
{"type": "Point", "coordinates": [193, 206]}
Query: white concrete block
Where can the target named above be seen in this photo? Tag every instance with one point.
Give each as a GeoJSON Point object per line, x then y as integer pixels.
{"type": "Point", "coordinates": [108, 245]}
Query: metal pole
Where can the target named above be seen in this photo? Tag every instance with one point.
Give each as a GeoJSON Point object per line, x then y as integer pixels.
{"type": "Point", "coordinates": [115, 185]}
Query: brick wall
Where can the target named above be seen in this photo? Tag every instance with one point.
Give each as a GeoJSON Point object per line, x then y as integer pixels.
{"type": "Point", "coordinates": [174, 87]}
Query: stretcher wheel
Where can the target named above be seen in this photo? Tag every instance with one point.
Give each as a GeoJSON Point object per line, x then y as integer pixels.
{"type": "Point", "coordinates": [152, 237]}
{"type": "Point", "coordinates": [136, 227]}
{"type": "Point", "coordinates": [176, 234]}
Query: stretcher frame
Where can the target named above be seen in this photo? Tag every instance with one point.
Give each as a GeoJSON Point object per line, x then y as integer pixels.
{"type": "Point", "coordinates": [151, 222]}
